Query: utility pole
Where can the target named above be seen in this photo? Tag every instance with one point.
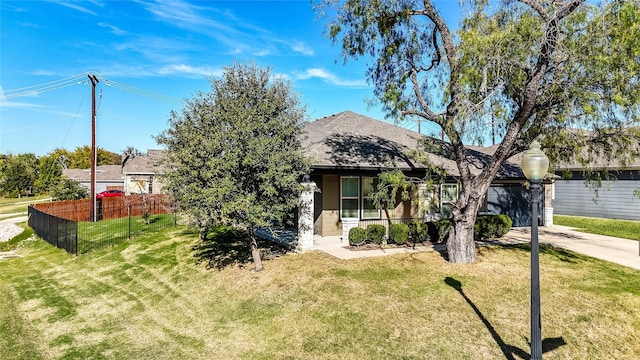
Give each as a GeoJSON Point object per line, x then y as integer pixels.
{"type": "Point", "coordinates": [94, 82]}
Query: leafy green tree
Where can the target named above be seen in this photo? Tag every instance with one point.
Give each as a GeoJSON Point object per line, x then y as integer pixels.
{"type": "Point", "coordinates": [50, 169]}
{"type": "Point", "coordinates": [565, 72]}
{"type": "Point", "coordinates": [69, 189]}
{"type": "Point", "coordinates": [80, 158]}
{"type": "Point", "coordinates": [234, 154]}
{"type": "Point", "coordinates": [18, 174]}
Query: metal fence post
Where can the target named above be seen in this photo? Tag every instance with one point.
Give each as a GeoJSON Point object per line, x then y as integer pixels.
{"type": "Point", "coordinates": [129, 215]}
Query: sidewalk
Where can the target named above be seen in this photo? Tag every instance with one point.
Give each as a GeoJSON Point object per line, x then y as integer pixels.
{"type": "Point", "coordinates": [332, 246]}
{"type": "Point", "coordinates": [620, 251]}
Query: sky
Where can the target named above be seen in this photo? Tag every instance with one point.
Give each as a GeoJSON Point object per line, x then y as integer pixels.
{"type": "Point", "coordinates": [150, 56]}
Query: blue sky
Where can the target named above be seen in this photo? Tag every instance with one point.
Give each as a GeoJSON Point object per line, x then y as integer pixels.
{"type": "Point", "coordinates": [150, 56]}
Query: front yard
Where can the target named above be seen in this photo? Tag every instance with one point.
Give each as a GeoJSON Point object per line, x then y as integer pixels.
{"type": "Point", "coordinates": [150, 298]}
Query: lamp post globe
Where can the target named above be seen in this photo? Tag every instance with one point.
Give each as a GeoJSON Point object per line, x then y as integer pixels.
{"type": "Point", "coordinates": [535, 165]}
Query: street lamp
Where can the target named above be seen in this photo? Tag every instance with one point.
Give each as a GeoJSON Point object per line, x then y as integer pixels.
{"type": "Point", "coordinates": [534, 166]}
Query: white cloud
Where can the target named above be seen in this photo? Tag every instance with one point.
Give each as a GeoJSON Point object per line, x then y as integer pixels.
{"type": "Point", "coordinates": [328, 77]}
{"type": "Point", "coordinates": [178, 69]}
{"type": "Point", "coordinates": [114, 29]}
{"type": "Point", "coordinates": [234, 35]}
{"type": "Point", "coordinates": [75, 5]}
{"type": "Point", "coordinates": [302, 48]}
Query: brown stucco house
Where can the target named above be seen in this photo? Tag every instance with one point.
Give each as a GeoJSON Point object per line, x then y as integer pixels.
{"type": "Point", "coordinates": [349, 150]}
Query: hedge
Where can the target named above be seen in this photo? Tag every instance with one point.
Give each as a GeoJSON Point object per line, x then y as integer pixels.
{"type": "Point", "coordinates": [357, 236]}
{"type": "Point", "coordinates": [419, 232]}
{"type": "Point", "coordinates": [491, 226]}
{"type": "Point", "coordinates": [398, 233]}
{"type": "Point", "coordinates": [375, 233]}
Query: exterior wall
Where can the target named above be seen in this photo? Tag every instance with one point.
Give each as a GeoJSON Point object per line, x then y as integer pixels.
{"type": "Point", "coordinates": [143, 184]}
{"type": "Point", "coordinates": [327, 212]}
{"type": "Point", "coordinates": [514, 199]}
{"type": "Point", "coordinates": [104, 185]}
{"type": "Point", "coordinates": [331, 225]}
{"type": "Point", "coordinates": [614, 200]}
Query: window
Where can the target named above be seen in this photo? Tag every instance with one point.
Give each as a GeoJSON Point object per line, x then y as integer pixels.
{"type": "Point", "coordinates": [354, 201]}
{"type": "Point", "coordinates": [448, 196]}
{"type": "Point", "coordinates": [349, 197]}
{"type": "Point", "coordinates": [369, 185]}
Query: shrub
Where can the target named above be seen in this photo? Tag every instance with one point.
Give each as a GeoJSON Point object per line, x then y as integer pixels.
{"type": "Point", "coordinates": [398, 233]}
{"type": "Point", "coordinates": [491, 226]}
{"type": "Point", "coordinates": [375, 233]}
{"type": "Point", "coordinates": [357, 236]}
{"type": "Point", "coordinates": [439, 230]}
{"type": "Point", "coordinates": [419, 232]}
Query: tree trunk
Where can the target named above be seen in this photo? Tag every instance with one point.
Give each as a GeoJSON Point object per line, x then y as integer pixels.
{"type": "Point", "coordinates": [461, 249]}
{"type": "Point", "coordinates": [255, 252]}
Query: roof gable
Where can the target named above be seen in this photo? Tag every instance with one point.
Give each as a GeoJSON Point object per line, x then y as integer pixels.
{"type": "Point", "coordinates": [352, 141]}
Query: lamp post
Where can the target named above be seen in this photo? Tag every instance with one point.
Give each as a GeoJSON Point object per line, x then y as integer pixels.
{"type": "Point", "coordinates": [534, 166]}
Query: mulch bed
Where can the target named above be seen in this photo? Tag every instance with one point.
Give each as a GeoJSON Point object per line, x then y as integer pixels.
{"type": "Point", "coordinates": [386, 246]}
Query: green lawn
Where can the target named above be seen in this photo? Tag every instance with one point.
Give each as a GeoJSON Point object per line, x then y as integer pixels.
{"type": "Point", "coordinates": [625, 229]}
{"type": "Point", "coordinates": [151, 298]}
{"type": "Point", "coordinates": [19, 205]}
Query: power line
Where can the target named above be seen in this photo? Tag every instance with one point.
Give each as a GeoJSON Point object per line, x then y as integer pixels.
{"type": "Point", "coordinates": [43, 87]}
{"type": "Point", "coordinates": [141, 92]}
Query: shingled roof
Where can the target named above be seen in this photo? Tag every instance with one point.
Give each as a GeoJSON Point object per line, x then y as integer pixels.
{"type": "Point", "coordinates": [145, 164]}
{"type": "Point", "coordinates": [103, 173]}
{"type": "Point", "coordinates": [348, 140]}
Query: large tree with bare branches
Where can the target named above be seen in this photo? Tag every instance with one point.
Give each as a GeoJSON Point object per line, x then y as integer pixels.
{"type": "Point", "coordinates": [565, 72]}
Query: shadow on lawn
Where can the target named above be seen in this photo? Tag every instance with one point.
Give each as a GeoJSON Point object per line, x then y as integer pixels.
{"type": "Point", "coordinates": [226, 246]}
{"type": "Point", "coordinates": [546, 249]}
{"type": "Point", "coordinates": [508, 350]}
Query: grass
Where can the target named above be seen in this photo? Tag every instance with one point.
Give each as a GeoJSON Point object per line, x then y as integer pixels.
{"type": "Point", "coordinates": [92, 235]}
{"type": "Point", "coordinates": [625, 229]}
{"type": "Point", "coordinates": [151, 298]}
{"type": "Point", "coordinates": [19, 205]}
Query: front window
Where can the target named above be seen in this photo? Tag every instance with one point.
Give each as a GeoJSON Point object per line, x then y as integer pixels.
{"type": "Point", "coordinates": [369, 186]}
{"type": "Point", "coordinates": [350, 197]}
{"type": "Point", "coordinates": [354, 197]}
{"type": "Point", "coordinates": [448, 196]}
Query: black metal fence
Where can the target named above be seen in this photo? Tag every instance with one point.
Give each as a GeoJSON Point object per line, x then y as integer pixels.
{"type": "Point", "coordinates": [59, 232]}
{"type": "Point", "coordinates": [385, 222]}
{"type": "Point", "coordinates": [79, 237]}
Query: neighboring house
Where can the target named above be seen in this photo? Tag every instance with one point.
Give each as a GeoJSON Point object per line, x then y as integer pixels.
{"type": "Point", "coordinates": [141, 173]}
{"type": "Point", "coordinates": [616, 198]}
{"type": "Point", "coordinates": [349, 150]}
{"type": "Point", "coordinates": [108, 177]}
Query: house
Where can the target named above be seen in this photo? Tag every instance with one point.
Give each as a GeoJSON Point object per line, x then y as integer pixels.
{"type": "Point", "coordinates": [349, 150]}
{"type": "Point", "coordinates": [616, 198]}
{"type": "Point", "coordinates": [141, 173]}
{"type": "Point", "coordinates": [108, 177]}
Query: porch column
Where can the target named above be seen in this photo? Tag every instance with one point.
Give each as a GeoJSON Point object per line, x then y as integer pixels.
{"type": "Point", "coordinates": [549, 194]}
{"type": "Point", "coordinates": [348, 224]}
{"type": "Point", "coordinates": [305, 217]}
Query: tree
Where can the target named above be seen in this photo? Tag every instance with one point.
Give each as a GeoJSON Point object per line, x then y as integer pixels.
{"type": "Point", "coordinates": [50, 169]}
{"type": "Point", "coordinates": [561, 71]}
{"type": "Point", "coordinates": [18, 174]}
{"type": "Point", "coordinates": [234, 154]}
{"type": "Point", "coordinates": [68, 189]}
{"type": "Point", "coordinates": [80, 158]}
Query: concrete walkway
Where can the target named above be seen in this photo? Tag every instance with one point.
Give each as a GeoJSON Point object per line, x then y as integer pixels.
{"type": "Point", "coordinates": [620, 251]}
{"type": "Point", "coordinates": [332, 246]}
{"type": "Point", "coordinates": [616, 250]}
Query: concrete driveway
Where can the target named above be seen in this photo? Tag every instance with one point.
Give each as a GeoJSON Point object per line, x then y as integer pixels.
{"type": "Point", "coordinates": [616, 250]}
{"type": "Point", "coordinates": [621, 251]}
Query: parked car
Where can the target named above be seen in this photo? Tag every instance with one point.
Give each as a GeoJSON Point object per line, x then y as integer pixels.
{"type": "Point", "coordinates": [109, 193]}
